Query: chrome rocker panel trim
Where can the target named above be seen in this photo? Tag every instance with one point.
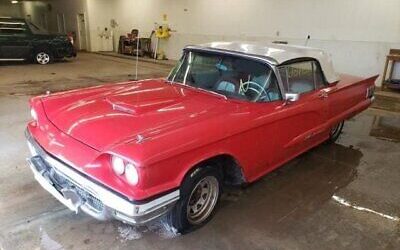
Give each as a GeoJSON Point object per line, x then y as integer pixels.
{"type": "Point", "coordinates": [114, 206]}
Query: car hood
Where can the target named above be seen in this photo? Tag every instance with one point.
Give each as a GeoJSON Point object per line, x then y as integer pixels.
{"type": "Point", "coordinates": [106, 117]}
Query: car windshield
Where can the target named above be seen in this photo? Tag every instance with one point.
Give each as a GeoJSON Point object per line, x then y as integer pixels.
{"type": "Point", "coordinates": [232, 76]}
{"type": "Point", "coordinates": [36, 29]}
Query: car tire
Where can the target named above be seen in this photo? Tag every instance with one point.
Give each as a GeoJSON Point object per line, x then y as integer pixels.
{"type": "Point", "coordinates": [43, 56]}
{"type": "Point", "coordinates": [335, 132]}
{"type": "Point", "coordinates": [199, 196]}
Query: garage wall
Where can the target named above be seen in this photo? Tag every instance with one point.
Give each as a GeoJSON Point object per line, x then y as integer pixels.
{"type": "Point", "coordinates": [36, 11]}
{"type": "Point", "coordinates": [357, 33]}
{"type": "Point", "coordinates": [100, 13]}
{"type": "Point", "coordinates": [70, 12]}
{"type": "Point", "coordinates": [45, 14]}
{"type": "Point", "coordinates": [9, 10]}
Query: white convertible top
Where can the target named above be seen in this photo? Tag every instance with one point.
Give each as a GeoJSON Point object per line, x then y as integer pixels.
{"type": "Point", "coordinates": [275, 53]}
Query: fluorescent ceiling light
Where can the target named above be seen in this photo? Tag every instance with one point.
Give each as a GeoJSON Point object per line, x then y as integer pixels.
{"type": "Point", "coordinates": [14, 1]}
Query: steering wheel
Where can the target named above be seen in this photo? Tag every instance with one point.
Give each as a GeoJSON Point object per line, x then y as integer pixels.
{"type": "Point", "coordinates": [246, 86]}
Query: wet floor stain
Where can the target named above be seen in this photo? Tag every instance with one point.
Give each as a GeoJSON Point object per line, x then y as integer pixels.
{"type": "Point", "coordinates": [387, 103]}
{"type": "Point", "coordinates": [159, 227]}
{"type": "Point", "coordinates": [347, 203]}
{"type": "Point", "coordinates": [64, 84]}
{"type": "Point", "coordinates": [386, 128]}
{"type": "Point", "coordinates": [127, 233]}
{"type": "Point", "coordinates": [47, 243]}
{"type": "Point", "coordinates": [299, 188]}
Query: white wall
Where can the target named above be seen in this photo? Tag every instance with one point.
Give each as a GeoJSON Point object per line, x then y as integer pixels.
{"type": "Point", "coordinates": [357, 33]}
{"type": "Point", "coordinates": [70, 9]}
{"type": "Point", "coordinates": [10, 10]}
{"type": "Point", "coordinates": [36, 11]}
{"type": "Point", "coordinates": [100, 13]}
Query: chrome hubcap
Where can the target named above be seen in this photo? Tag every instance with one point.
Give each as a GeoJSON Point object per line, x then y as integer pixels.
{"type": "Point", "coordinates": [202, 200]}
{"type": "Point", "coordinates": [43, 58]}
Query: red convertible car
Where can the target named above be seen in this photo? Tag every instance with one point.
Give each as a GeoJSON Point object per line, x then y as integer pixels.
{"type": "Point", "coordinates": [228, 113]}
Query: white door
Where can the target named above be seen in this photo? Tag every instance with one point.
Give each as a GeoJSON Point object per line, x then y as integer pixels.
{"type": "Point", "coordinates": [81, 31]}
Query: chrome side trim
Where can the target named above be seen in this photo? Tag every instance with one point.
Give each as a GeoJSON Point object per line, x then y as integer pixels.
{"type": "Point", "coordinates": [11, 59]}
{"type": "Point", "coordinates": [12, 23]}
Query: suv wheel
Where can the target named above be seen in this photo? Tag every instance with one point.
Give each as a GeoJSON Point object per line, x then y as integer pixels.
{"type": "Point", "coordinates": [43, 57]}
{"type": "Point", "coordinates": [200, 192]}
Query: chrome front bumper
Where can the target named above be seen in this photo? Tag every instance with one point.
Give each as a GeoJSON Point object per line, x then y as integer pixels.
{"type": "Point", "coordinates": [77, 192]}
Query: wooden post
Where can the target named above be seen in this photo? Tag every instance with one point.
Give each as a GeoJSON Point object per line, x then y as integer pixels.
{"type": "Point", "coordinates": [384, 73]}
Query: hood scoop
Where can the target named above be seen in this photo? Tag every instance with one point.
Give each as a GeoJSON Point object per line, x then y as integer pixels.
{"type": "Point", "coordinates": [134, 112]}
{"type": "Point", "coordinates": [122, 107]}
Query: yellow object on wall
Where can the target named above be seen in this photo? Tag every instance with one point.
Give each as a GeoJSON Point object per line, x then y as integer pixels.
{"type": "Point", "coordinates": [163, 32]}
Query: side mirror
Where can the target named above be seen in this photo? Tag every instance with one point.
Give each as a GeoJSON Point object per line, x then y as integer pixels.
{"type": "Point", "coordinates": [291, 97]}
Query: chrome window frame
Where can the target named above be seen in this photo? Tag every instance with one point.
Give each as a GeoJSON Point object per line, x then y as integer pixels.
{"type": "Point", "coordinates": [318, 68]}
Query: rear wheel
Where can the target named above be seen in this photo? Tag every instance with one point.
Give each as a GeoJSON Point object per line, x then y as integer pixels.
{"type": "Point", "coordinates": [200, 192]}
{"type": "Point", "coordinates": [335, 132]}
{"type": "Point", "coordinates": [43, 57]}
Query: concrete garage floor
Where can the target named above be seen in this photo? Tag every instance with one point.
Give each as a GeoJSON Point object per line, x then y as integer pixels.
{"type": "Point", "coordinates": [340, 196]}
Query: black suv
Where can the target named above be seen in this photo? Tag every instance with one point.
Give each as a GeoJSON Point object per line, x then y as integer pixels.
{"type": "Point", "coordinates": [22, 40]}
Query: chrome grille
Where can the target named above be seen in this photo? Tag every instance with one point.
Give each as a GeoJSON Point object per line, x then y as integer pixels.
{"type": "Point", "coordinates": [90, 199]}
{"type": "Point", "coordinates": [59, 181]}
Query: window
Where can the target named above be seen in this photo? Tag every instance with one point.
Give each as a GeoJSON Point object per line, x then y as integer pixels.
{"type": "Point", "coordinates": [8, 31]}
{"type": "Point", "coordinates": [11, 28]}
{"type": "Point", "coordinates": [37, 29]}
{"type": "Point", "coordinates": [232, 76]}
{"type": "Point", "coordinates": [301, 77]}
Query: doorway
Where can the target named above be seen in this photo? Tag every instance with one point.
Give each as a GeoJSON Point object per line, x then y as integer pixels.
{"type": "Point", "coordinates": [82, 31]}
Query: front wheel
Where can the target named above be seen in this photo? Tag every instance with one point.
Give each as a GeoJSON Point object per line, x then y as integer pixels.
{"type": "Point", "coordinates": [200, 192]}
{"type": "Point", "coordinates": [43, 57]}
{"type": "Point", "coordinates": [335, 132]}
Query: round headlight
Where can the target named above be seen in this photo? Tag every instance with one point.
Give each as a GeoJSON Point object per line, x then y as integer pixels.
{"type": "Point", "coordinates": [34, 114]}
{"type": "Point", "coordinates": [118, 165]}
{"type": "Point", "coordinates": [131, 174]}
